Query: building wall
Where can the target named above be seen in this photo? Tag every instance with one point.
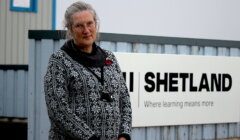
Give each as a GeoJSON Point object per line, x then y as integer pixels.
{"type": "Point", "coordinates": [14, 28]}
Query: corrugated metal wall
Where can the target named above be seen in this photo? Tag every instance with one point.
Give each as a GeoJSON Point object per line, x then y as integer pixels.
{"type": "Point", "coordinates": [13, 92]}
{"type": "Point", "coordinates": [40, 51]}
{"type": "Point", "coordinates": [14, 28]}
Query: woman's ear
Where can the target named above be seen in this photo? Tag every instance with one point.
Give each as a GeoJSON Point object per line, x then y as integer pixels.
{"type": "Point", "coordinates": [69, 34]}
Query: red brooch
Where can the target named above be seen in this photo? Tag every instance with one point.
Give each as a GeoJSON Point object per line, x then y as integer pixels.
{"type": "Point", "coordinates": [108, 62]}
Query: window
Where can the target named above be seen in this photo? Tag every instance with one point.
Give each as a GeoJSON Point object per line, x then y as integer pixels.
{"type": "Point", "coordinates": [23, 5]}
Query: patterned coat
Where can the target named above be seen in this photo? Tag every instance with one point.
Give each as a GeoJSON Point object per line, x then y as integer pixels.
{"type": "Point", "coordinates": [72, 95]}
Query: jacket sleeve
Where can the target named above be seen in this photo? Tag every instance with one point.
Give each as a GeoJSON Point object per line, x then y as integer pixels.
{"type": "Point", "coordinates": [59, 111]}
{"type": "Point", "coordinates": [125, 107]}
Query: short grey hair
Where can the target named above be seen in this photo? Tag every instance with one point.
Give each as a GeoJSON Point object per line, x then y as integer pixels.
{"type": "Point", "coordinates": [78, 6]}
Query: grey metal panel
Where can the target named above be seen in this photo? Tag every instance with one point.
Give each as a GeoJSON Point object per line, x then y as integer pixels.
{"type": "Point", "coordinates": [154, 48]}
{"type": "Point", "coordinates": [170, 49]}
{"type": "Point", "coordinates": [234, 128]}
{"type": "Point", "coordinates": [62, 41]}
{"type": "Point", "coordinates": [20, 97]}
{"type": "Point", "coordinates": [9, 95]}
{"type": "Point", "coordinates": [153, 133]}
{"type": "Point", "coordinates": [222, 129]}
{"type": "Point", "coordinates": [61, 34]}
{"type": "Point", "coordinates": [222, 51]}
{"type": "Point", "coordinates": [140, 47]}
{"type": "Point", "coordinates": [210, 51]}
{"type": "Point", "coordinates": [196, 50]}
{"type": "Point", "coordinates": [13, 93]}
{"type": "Point", "coordinates": [234, 52]}
{"type": "Point", "coordinates": [46, 49]}
{"type": "Point", "coordinates": [139, 133]}
{"type": "Point", "coordinates": [111, 46]}
{"type": "Point", "coordinates": [208, 129]}
{"type": "Point", "coordinates": [2, 91]}
{"type": "Point", "coordinates": [182, 131]}
{"type": "Point", "coordinates": [238, 129]}
{"type": "Point", "coordinates": [31, 91]}
{"type": "Point", "coordinates": [38, 87]}
{"type": "Point", "coordinates": [56, 45]}
{"type": "Point", "coordinates": [38, 130]}
{"type": "Point", "coordinates": [169, 133]}
{"type": "Point", "coordinates": [124, 47]}
{"type": "Point", "coordinates": [195, 132]}
{"type": "Point", "coordinates": [183, 49]}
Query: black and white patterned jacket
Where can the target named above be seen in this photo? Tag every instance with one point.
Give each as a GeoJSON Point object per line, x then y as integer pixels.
{"type": "Point", "coordinates": [73, 93]}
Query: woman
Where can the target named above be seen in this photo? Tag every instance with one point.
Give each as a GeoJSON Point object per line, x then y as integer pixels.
{"type": "Point", "coordinates": [86, 95]}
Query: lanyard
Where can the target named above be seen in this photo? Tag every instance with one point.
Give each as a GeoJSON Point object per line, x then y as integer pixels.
{"type": "Point", "coordinates": [105, 96]}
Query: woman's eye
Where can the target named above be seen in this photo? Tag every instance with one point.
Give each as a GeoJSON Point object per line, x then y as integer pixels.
{"type": "Point", "coordinates": [78, 25]}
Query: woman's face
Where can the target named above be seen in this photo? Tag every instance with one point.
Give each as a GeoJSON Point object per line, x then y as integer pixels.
{"type": "Point", "coordinates": [84, 29]}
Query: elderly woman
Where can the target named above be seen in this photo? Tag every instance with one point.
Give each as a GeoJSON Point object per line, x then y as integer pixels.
{"type": "Point", "coordinates": [86, 94]}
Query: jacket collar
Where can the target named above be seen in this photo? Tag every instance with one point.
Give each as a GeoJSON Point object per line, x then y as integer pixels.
{"type": "Point", "coordinates": [95, 59]}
